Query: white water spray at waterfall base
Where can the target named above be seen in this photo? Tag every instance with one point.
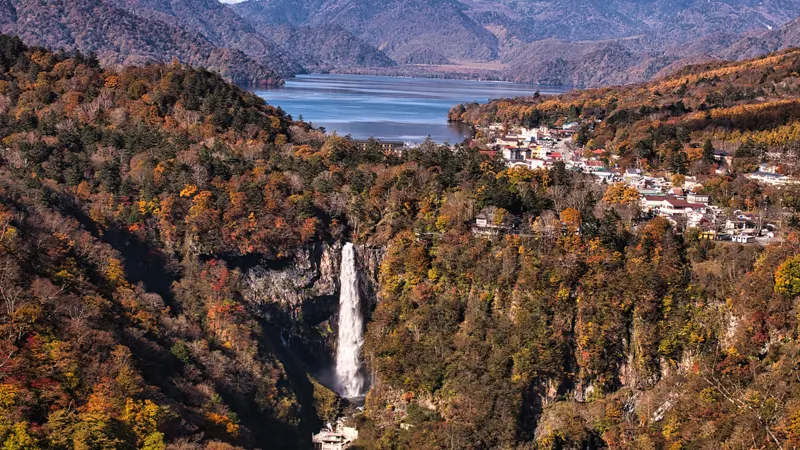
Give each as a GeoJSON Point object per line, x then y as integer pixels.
{"type": "Point", "coordinates": [349, 378]}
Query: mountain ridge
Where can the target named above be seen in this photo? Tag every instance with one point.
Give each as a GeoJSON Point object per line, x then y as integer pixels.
{"type": "Point", "coordinates": [585, 43]}
{"type": "Point", "coordinates": [98, 26]}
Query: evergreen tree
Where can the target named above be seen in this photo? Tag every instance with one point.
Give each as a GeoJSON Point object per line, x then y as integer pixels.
{"type": "Point", "coordinates": [708, 151]}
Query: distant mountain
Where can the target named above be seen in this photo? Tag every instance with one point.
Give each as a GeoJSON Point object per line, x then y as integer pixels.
{"type": "Point", "coordinates": [673, 21]}
{"type": "Point", "coordinates": [270, 13]}
{"type": "Point", "coordinates": [317, 48]}
{"type": "Point", "coordinates": [203, 33]}
{"type": "Point", "coordinates": [699, 32]}
{"type": "Point", "coordinates": [328, 47]}
{"type": "Point", "coordinates": [409, 31]}
{"type": "Point", "coordinates": [574, 42]}
{"type": "Point", "coordinates": [770, 41]}
{"type": "Point", "coordinates": [560, 62]}
{"type": "Point", "coordinates": [120, 37]}
{"type": "Point", "coordinates": [217, 23]}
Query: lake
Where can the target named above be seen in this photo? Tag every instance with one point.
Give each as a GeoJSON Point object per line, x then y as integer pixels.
{"type": "Point", "coordinates": [387, 108]}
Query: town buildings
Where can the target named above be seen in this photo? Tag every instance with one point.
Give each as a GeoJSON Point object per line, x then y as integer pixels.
{"type": "Point", "coordinates": [686, 206]}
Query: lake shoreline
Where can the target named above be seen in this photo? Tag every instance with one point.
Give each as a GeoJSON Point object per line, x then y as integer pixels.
{"type": "Point", "coordinates": [388, 108]}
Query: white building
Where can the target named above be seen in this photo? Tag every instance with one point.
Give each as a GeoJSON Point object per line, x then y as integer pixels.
{"type": "Point", "coordinates": [631, 174]}
{"type": "Point", "coordinates": [652, 202]}
{"type": "Point", "coordinates": [698, 198]}
{"type": "Point", "coordinates": [337, 437]}
{"type": "Point", "coordinates": [604, 175]}
{"type": "Point", "coordinates": [770, 178]}
{"type": "Point", "coordinates": [675, 206]}
{"type": "Point", "coordinates": [668, 205]}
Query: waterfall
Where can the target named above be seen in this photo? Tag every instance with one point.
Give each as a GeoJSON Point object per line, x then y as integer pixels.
{"type": "Point", "coordinates": [349, 378]}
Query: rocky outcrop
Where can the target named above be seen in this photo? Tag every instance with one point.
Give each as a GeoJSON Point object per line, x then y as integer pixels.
{"type": "Point", "coordinates": [369, 261]}
{"type": "Point", "coordinates": [301, 294]}
{"type": "Point", "coordinates": [312, 273]}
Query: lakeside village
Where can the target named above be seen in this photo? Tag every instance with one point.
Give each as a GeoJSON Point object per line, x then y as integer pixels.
{"type": "Point", "coordinates": [680, 199]}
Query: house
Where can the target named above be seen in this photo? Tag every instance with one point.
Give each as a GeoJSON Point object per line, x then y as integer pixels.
{"type": "Point", "coordinates": [492, 221]}
{"type": "Point", "coordinates": [595, 166]}
{"type": "Point", "coordinates": [538, 151]}
{"type": "Point", "coordinates": [709, 235]}
{"type": "Point", "coordinates": [570, 126]}
{"type": "Point", "coordinates": [676, 191]}
{"type": "Point", "coordinates": [529, 134]}
{"type": "Point", "coordinates": [723, 156]}
{"type": "Point", "coordinates": [650, 192]}
{"type": "Point", "coordinates": [482, 220]}
{"type": "Point", "coordinates": [604, 175]}
{"type": "Point", "coordinates": [386, 146]}
{"type": "Point", "coordinates": [659, 182]}
{"type": "Point", "coordinates": [699, 219]}
{"type": "Point", "coordinates": [526, 164]}
{"type": "Point", "coordinates": [669, 205]}
{"type": "Point", "coordinates": [768, 168]}
{"type": "Point", "coordinates": [675, 206]}
{"type": "Point", "coordinates": [698, 198]}
{"type": "Point", "coordinates": [741, 225]}
{"type": "Point", "coordinates": [652, 202]}
{"type": "Point", "coordinates": [508, 141]}
{"type": "Point", "coordinates": [632, 174]}
{"type": "Point", "coordinates": [773, 179]}
{"type": "Point", "coordinates": [537, 163]}
{"type": "Point", "coordinates": [493, 217]}
{"type": "Point", "coordinates": [512, 153]}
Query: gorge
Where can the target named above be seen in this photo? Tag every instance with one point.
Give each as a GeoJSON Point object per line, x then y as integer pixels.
{"type": "Point", "coordinates": [174, 272]}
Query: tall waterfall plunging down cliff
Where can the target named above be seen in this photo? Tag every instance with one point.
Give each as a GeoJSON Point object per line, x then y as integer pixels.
{"type": "Point", "coordinates": [349, 378]}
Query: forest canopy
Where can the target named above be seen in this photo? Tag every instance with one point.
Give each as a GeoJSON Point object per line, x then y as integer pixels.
{"type": "Point", "coordinates": [135, 204]}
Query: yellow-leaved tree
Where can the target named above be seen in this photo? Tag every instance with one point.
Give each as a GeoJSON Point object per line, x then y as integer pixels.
{"type": "Point", "coordinates": [787, 277]}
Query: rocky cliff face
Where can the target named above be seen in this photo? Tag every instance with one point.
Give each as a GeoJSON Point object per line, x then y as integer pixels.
{"type": "Point", "coordinates": [311, 274]}
{"type": "Point", "coordinates": [369, 259]}
{"type": "Point", "coordinates": [301, 294]}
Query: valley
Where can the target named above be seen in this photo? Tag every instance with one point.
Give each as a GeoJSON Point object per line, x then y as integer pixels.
{"type": "Point", "coordinates": [171, 266]}
{"type": "Point", "coordinates": [297, 224]}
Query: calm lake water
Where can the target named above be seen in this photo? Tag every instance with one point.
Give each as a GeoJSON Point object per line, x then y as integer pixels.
{"type": "Point", "coordinates": [387, 108]}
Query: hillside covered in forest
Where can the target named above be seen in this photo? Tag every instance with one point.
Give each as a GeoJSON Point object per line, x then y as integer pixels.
{"type": "Point", "coordinates": [122, 38]}
{"type": "Point", "coordinates": [168, 267]}
{"type": "Point", "coordinates": [201, 33]}
{"type": "Point", "coordinates": [592, 327]}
